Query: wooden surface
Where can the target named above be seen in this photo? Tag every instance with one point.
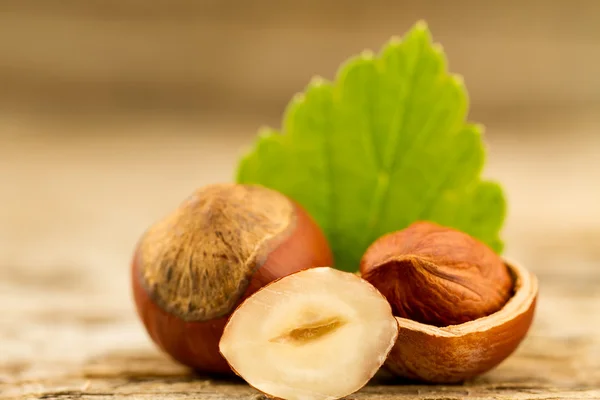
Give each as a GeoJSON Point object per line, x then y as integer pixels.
{"type": "Point", "coordinates": [189, 54]}
{"type": "Point", "coordinates": [75, 196]}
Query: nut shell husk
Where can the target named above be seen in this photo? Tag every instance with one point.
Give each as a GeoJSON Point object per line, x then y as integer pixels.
{"type": "Point", "coordinates": [456, 353]}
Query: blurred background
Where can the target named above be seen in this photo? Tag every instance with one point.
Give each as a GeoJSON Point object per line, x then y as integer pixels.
{"type": "Point", "coordinates": [113, 111]}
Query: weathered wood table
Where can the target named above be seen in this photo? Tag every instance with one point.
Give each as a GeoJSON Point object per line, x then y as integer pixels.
{"type": "Point", "coordinates": [73, 200]}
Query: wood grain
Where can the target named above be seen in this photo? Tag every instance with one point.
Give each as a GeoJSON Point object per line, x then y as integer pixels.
{"type": "Point", "coordinates": [190, 56]}
{"type": "Point", "coordinates": [76, 196]}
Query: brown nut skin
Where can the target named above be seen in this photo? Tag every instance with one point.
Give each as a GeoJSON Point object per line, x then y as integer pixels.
{"type": "Point", "coordinates": [193, 268]}
{"type": "Point", "coordinates": [456, 353]}
{"type": "Point", "coordinates": [437, 275]}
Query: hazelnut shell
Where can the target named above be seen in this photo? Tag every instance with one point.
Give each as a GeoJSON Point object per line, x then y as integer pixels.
{"type": "Point", "coordinates": [456, 353]}
{"type": "Point", "coordinates": [192, 339]}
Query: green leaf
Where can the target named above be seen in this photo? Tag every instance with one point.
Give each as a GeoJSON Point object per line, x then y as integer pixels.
{"type": "Point", "coordinates": [386, 144]}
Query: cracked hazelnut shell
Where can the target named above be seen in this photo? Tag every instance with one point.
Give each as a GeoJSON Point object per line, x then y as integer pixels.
{"type": "Point", "coordinates": [461, 309]}
{"type": "Point", "coordinates": [194, 267]}
{"type": "Point", "coordinates": [455, 353]}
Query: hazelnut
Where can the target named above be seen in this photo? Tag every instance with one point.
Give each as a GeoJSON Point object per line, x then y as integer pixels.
{"type": "Point", "coordinates": [318, 334]}
{"type": "Point", "coordinates": [437, 275]}
{"type": "Point", "coordinates": [194, 267]}
{"type": "Point", "coordinates": [461, 308]}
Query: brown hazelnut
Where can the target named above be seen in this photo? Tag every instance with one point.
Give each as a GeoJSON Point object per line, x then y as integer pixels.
{"type": "Point", "coordinates": [437, 275]}
{"type": "Point", "coordinates": [461, 308]}
{"type": "Point", "coordinates": [193, 268]}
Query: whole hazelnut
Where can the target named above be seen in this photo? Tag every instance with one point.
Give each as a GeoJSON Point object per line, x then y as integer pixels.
{"type": "Point", "coordinates": [460, 307]}
{"type": "Point", "coordinates": [193, 268]}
